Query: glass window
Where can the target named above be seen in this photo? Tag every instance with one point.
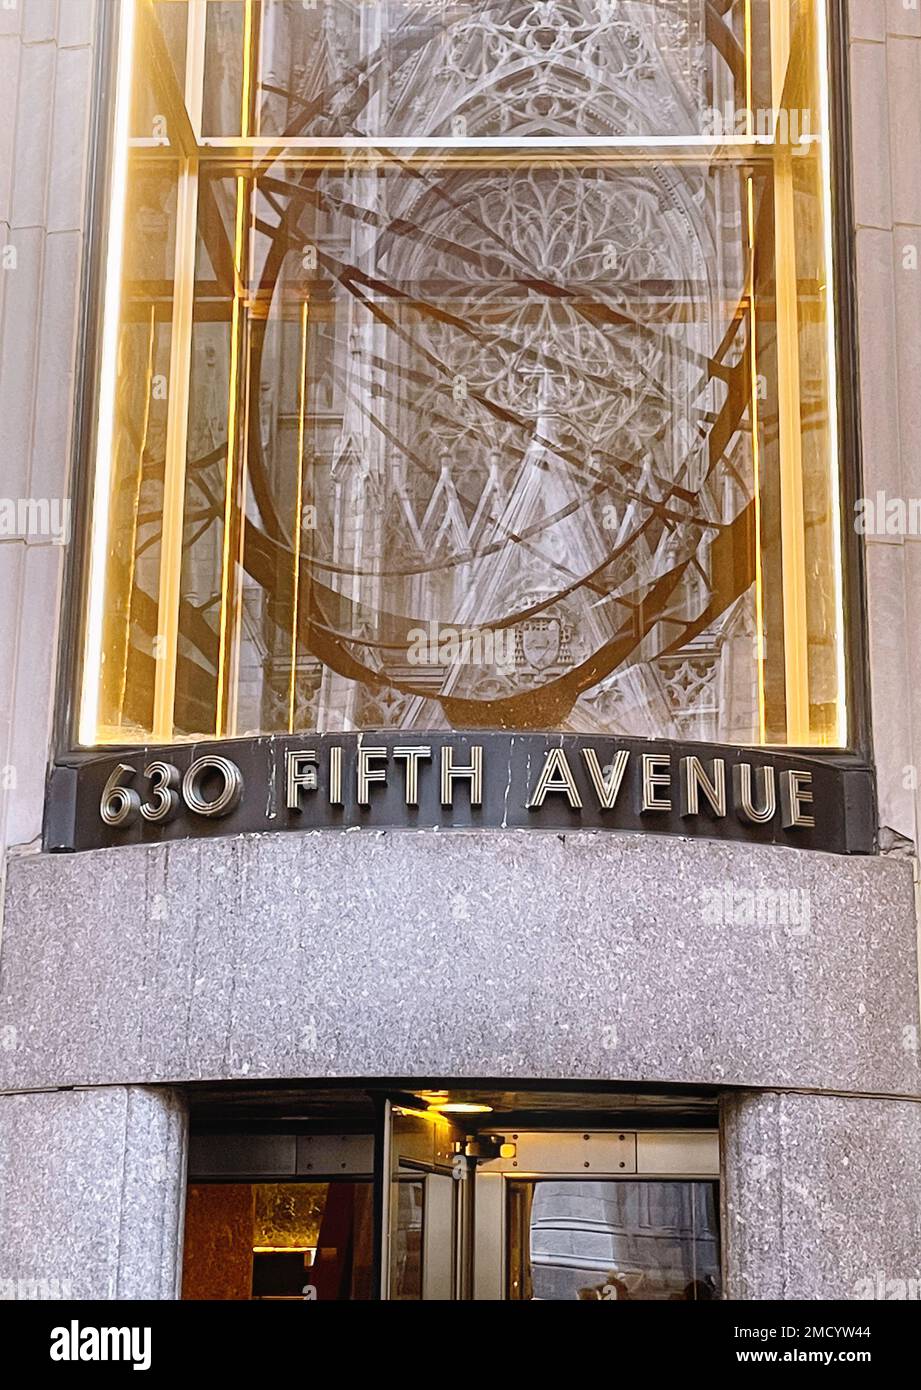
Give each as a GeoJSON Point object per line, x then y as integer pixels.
{"type": "Point", "coordinates": [468, 365]}
{"type": "Point", "coordinates": [406, 1257]}
{"type": "Point", "coordinates": [613, 1240]}
{"type": "Point", "coordinates": [305, 1241]}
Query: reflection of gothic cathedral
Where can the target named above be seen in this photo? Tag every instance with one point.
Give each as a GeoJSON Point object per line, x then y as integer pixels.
{"type": "Point", "coordinates": [512, 376]}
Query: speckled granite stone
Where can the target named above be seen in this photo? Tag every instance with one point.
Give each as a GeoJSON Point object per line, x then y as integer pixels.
{"type": "Point", "coordinates": [821, 1197]}
{"type": "Point", "coordinates": [482, 955]}
{"type": "Point", "coordinates": [92, 1193]}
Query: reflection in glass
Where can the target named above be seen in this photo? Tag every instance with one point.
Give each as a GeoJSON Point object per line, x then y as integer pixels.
{"type": "Point", "coordinates": [306, 1241]}
{"type": "Point", "coordinates": [452, 433]}
{"type": "Point", "coordinates": [420, 1233]}
{"type": "Point", "coordinates": [614, 1240]}
{"type": "Point", "coordinates": [406, 1261]}
{"type": "Point", "coordinates": [414, 68]}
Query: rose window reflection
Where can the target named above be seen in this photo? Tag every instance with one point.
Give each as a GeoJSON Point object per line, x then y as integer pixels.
{"type": "Point", "coordinates": [498, 392]}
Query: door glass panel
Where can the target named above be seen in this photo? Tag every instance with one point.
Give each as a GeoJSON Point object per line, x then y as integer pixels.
{"type": "Point", "coordinates": [419, 1240]}
{"type": "Point", "coordinates": [613, 1240]}
{"type": "Point", "coordinates": [407, 1239]}
{"type": "Point", "coordinates": [278, 1241]}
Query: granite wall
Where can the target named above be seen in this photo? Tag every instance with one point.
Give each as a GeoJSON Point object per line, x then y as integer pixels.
{"type": "Point", "coordinates": [821, 1197]}
{"type": "Point", "coordinates": [463, 954]}
{"type": "Point", "coordinates": [92, 1193]}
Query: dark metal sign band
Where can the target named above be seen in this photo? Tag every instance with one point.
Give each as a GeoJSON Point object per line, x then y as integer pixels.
{"type": "Point", "coordinates": [460, 781]}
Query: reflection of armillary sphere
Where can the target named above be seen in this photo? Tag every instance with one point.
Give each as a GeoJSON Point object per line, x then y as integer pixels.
{"type": "Point", "coordinates": [543, 358]}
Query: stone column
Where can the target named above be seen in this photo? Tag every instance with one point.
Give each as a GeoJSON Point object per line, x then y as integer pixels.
{"type": "Point", "coordinates": [821, 1197]}
{"type": "Point", "coordinates": [92, 1193]}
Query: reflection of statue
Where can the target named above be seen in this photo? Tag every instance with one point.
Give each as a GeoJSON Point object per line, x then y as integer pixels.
{"type": "Point", "coordinates": [616, 1286]}
{"type": "Point", "coordinates": [612, 1288]}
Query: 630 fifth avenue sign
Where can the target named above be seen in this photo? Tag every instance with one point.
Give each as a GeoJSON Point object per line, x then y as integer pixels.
{"type": "Point", "coordinates": [459, 781]}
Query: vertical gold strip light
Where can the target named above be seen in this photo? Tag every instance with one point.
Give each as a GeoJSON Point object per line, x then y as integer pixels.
{"type": "Point", "coordinates": [823, 61]}
{"type": "Point", "coordinates": [298, 508]}
{"type": "Point", "coordinates": [756, 464]}
{"type": "Point", "coordinates": [749, 85]}
{"type": "Point", "coordinates": [88, 730]}
{"type": "Point", "coordinates": [177, 415]}
{"type": "Point", "coordinates": [229, 560]}
{"type": "Point", "coordinates": [792, 519]}
{"type": "Point", "coordinates": [753, 369]}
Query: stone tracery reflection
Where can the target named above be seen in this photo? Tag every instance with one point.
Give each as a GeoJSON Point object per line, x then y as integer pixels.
{"type": "Point", "coordinates": [477, 388]}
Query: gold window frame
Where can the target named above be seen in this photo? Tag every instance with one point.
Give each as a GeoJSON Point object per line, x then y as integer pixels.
{"type": "Point", "coordinates": [196, 151]}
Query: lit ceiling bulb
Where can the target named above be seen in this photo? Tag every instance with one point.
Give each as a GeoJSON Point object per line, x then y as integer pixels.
{"type": "Point", "coordinates": [459, 1107]}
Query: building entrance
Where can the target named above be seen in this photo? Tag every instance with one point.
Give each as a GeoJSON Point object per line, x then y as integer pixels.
{"type": "Point", "coordinates": [448, 1198]}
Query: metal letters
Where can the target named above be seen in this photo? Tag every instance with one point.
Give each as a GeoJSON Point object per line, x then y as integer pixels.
{"type": "Point", "coordinates": [545, 781]}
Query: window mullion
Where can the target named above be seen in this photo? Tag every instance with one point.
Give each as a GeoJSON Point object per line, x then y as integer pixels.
{"type": "Point", "coordinates": [792, 521]}
{"type": "Point", "coordinates": [167, 644]}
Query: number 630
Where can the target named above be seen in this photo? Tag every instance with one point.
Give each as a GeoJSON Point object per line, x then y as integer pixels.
{"type": "Point", "coordinates": [121, 804]}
